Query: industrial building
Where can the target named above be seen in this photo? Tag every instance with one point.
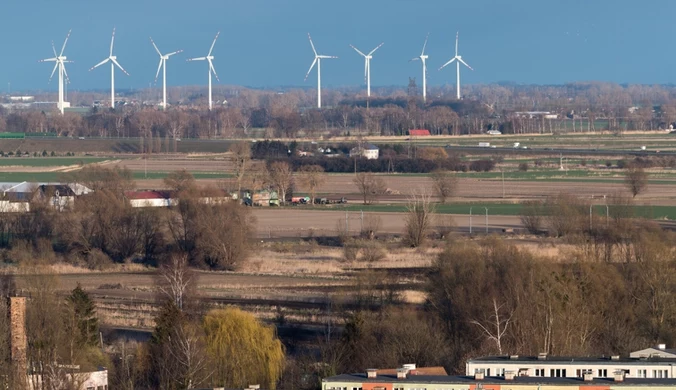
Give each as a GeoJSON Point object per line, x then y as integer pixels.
{"type": "Point", "coordinates": [658, 362]}
{"type": "Point", "coordinates": [408, 378]}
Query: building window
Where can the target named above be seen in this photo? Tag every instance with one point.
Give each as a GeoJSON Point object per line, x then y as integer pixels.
{"type": "Point", "coordinates": [602, 373]}
{"type": "Point", "coordinates": [557, 373]}
{"type": "Point", "coordinates": [641, 373]}
{"type": "Point", "coordinates": [539, 372]}
{"type": "Point", "coordinates": [500, 372]}
{"type": "Point", "coordinates": [581, 372]}
{"type": "Point", "coordinates": [660, 374]}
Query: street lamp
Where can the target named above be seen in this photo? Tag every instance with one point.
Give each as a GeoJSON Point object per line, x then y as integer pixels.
{"type": "Point", "coordinates": [486, 219]}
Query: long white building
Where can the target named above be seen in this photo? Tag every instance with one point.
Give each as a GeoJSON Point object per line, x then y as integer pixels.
{"type": "Point", "coordinates": [658, 362]}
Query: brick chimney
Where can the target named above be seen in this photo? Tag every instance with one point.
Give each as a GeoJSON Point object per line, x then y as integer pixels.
{"type": "Point", "coordinates": [401, 373]}
{"type": "Point", "coordinates": [371, 373]}
{"type": "Point", "coordinates": [17, 339]}
{"type": "Point", "coordinates": [618, 376]}
{"type": "Point", "coordinates": [509, 375]}
{"type": "Point", "coordinates": [479, 376]}
{"type": "Point", "coordinates": [588, 377]}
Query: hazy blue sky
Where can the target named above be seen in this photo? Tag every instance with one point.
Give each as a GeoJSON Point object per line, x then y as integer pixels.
{"type": "Point", "coordinates": [264, 42]}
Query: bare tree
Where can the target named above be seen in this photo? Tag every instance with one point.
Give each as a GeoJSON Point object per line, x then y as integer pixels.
{"type": "Point", "coordinates": [187, 347]}
{"type": "Point", "coordinates": [241, 158]}
{"type": "Point", "coordinates": [175, 280]}
{"type": "Point", "coordinates": [636, 179]}
{"type": "Point", "coordinates": [418, 219]}
{"type": "Point", "coordinates": [281, 177]}
{"type": "Point", "coordinates": [311, 177]}
{"type": "Point", "coordinates": [369, 186]}
{"type": "Point", "coordinates": [445, 184]}
{"type": "Point", "coordinates": [495, 327]}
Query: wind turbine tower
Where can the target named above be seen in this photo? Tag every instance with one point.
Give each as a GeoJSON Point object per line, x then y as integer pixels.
{"type": "Point", "coordinates": [60, 60]}
{"type": "Point", "coordinates": [113, 63]}
{"type": "Point", "coordinates": [367, 66]}
{"type": "Point", "coordinates": [423, 58]}
{"type": "Point", "coordinates": [209, 58]}
{"type": "Point", "coordinates": [163, 66]}
{"type": "Point", "coordinates": [318, 61]}
{"type": "Point", "coordinates": [458, 60]}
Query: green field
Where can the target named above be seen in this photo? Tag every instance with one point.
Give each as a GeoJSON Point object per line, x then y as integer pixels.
{"type": "Point", "coordinates": [48, 161]}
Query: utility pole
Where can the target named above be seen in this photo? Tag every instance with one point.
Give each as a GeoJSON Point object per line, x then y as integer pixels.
{"type": "Point", "coordinates": [470, 221]}
{"type": "Point", "coordinates": [486, 219]}
{"type": "Point", "coordinates": [503, 183]}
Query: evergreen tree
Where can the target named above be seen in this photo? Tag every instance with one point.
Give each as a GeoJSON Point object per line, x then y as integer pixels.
{"type": "Point", "coordinates": [85, 317]}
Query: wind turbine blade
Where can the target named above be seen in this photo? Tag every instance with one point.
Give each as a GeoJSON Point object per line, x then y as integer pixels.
{"type": "Point", "coordinates": [327, 57]}
{"type": "Point", "coordinates": [213, 44]}
{"type": "Point", "coordinates": [99, 64]}
{"type": "Point", "coordinates": [213, 70]}
{"type": "Point", "coordinates": [378, 47]}
{"type": "Point", "coordinates": [64, 43]}
{"type": "Point", "coordinates": [66, 74]}
{"type": "Point", "coordinates": [48, 60]}
{"type": "Point", "coordinates": [159, 67]}
{"type": "Point", "coordinates": [448, 63]}
{"type": "Point", "coordinates": [357, 50]}
{"type": "Point", "coordinates": [155, 46]}
{"type": "Point", "coordinates": [197, 59]}
{"type": "Point", "coordinates": [53, 70]}
{"type": "Point", "coordinates": [464, 63]}
{"type": "Point", "coordinates": [366, 68]}
{"type": "Point", "coordinates": [414, 59]}
{"type": "Point", "coordinates": [456, 43]}
{"type": "Point", "coordinates": [119, 66]}
{"type": "Point", "coordinates": [111, 42]}
{"type": "Point", "coordinates": [54, 50]}
{"type": "Point", "coordinates": [311, 66]}
{"type": "Point", "coordinates": [312, 44]}
{"type": "Point", "coordinates": [176, 52]}
{"type": "Point", "coordinates": [425, 44]}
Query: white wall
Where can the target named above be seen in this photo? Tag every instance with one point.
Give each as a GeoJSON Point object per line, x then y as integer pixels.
{"type": "Point", "coordinates": [497, 368]}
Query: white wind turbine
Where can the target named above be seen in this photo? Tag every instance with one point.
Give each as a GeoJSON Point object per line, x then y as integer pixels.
{"type": "Point", "coordinates": [457, 68]}
{"type": "Point", "coordinates": [163, 67]}
{"type": "Point", "coordinates": [367, 66]}
{"type": "Point", "coordinates": [209, 59]}
{"type": "Point", "coordinates": [318, 61]}
{"type": "Point", "coordinates": [113, 63]}
{"type": "Point", "coordinates": [423, 57]}
{"type": "Point", "coordinates": [60, 61]}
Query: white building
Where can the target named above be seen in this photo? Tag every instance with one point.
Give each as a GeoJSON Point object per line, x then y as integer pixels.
{"type": "Point", "coordinates": [656, 362]}
{"type": "Point", "coordinates": [369, 151]}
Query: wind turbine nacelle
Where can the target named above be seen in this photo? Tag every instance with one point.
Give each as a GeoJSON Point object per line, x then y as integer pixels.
{"type": "Point", "coordinates": [113, 57]}
{"type": "Point", "coordinates": [424, 57]}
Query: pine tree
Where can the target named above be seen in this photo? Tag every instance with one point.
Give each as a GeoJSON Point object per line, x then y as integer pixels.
{"type": "Point", "coordinates": [84, 311]}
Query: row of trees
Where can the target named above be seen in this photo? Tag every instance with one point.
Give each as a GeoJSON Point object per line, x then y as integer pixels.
{"type": "Point", "coordinates": [578, 107]}
{"type": "Point", "coordinates": [103, 226]}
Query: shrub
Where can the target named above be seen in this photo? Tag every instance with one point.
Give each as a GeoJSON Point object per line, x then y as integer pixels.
{"type": "Point", "coordinates": [372, 251]}
{"type": "Point", "coordinates": [523, 167]}
{"type": "Point", "coordinates": [482, 165]}
{"type": "Point", "coordinates": [350, 250]}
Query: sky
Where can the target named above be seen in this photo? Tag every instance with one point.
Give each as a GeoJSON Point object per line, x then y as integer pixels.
{"type": "Point", "coordinates": [263, 43]}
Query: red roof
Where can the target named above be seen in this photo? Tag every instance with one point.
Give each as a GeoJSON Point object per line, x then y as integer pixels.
{"type": "Point", "coordinates": [419, 132]}
{"type": "Point", "coordinates": [148, 195]}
